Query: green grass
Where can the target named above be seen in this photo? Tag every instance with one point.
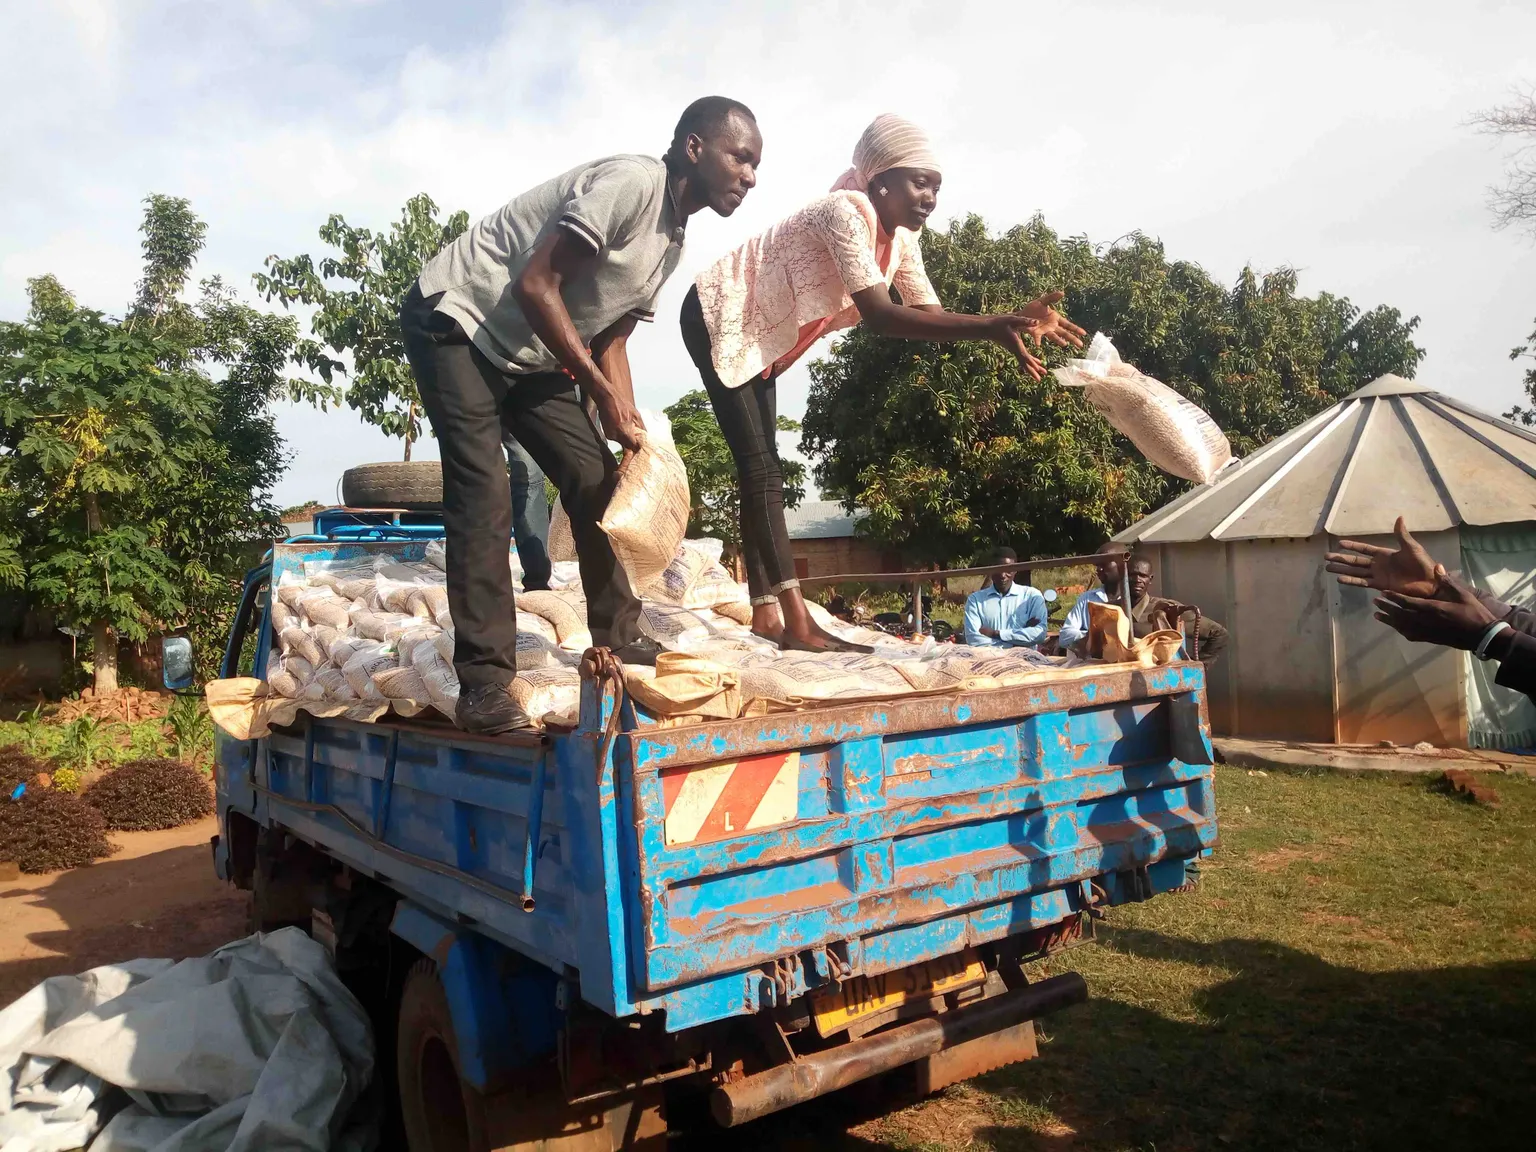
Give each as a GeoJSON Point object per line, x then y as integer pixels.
{"type": "Point", "coordinates": [1357, 969]}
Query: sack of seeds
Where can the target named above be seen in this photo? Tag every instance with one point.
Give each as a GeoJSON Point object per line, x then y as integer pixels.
{"type": "Point", "coordinates": [647, 515]}
{"type": "Point", "coordinates": [1170, 431]}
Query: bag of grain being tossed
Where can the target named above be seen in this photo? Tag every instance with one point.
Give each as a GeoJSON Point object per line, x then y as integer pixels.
{"type": "Point", "coordinates": [647, 516]}
{"type": "Point", "coordinates": [1169, 430]}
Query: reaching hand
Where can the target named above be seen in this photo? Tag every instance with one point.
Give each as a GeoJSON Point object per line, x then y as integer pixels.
{"type": "Point", "coordinates": [620, 419]}
{"type": "Point", "coordinates": [1407, 569]}
{"type": "Point", "coordinates": [1455, 617]}
{"type": "Point", "coordinates": [1049, 324]}
{"type": "Point", "coordinates": [1006, 332]}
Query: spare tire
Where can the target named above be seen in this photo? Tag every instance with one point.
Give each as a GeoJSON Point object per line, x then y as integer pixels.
{"type": "Point", "coordinates": [415, 486]}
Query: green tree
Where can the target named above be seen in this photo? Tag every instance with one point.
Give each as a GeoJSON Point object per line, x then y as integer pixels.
{"type": "Point", "coordinates": [1513, 202]}
{"type": "Point", "coordinates": [712, 485]}
{"type": "Point", "coordinates": [357, 295]}
{"type": "Point", "coordinates": [132, 481]}
{"type": "Point", "coordinates": [952, 450]}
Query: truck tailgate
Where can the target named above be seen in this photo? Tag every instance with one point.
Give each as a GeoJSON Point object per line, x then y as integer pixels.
{"type": "Point", "coordinates": [866, 838]}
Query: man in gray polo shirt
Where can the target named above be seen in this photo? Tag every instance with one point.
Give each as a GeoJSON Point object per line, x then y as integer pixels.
{"type": "Point", "coordinates": [504, 325]}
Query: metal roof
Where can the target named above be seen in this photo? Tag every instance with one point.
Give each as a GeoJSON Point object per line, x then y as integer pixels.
{"type": "Point", "coordinates": [820, 520]}
{"type": "Point", "coordinates": [1393, 448]}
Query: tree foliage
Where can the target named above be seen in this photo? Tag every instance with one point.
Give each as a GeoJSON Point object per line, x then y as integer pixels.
{"type": "Point", "coordinates": [131, 481]}
{"type": "Point", "coordinates": [712, 483]}
{"type": "Point", "coordinates": [1514, 202]}
{"type": "Point", "coordinates": [953, 451]}
{"type": "Point", "coordinates": [357, 294]}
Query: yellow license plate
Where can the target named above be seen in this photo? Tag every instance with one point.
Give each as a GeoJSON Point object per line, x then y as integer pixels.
{"type": "Point", "coordinates": [864, 996]}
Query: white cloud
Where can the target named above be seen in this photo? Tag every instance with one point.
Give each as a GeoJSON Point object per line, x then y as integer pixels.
{"type": "Point", "coordinates": [1329, 137]}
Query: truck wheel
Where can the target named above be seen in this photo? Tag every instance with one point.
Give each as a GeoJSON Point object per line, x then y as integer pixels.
{"type": "Point", "coordinates": [416, 486]}
{"type": "Point", "coordinates": [440, 1112]}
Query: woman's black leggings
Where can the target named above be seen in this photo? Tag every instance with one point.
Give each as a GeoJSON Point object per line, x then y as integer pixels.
{"type": "Point", "coordinates": [747, 417]}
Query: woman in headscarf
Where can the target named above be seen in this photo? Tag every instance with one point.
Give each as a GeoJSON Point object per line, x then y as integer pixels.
{"type": "Point", "coordinates": [829, 266]}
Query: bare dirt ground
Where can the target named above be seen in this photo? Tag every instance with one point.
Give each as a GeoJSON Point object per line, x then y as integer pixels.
{"type": "Point", "coordinates": [157, 896]}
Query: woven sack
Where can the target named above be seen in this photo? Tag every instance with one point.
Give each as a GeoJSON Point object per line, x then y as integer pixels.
{"type": "Point", "coordinates": [1169, 430]}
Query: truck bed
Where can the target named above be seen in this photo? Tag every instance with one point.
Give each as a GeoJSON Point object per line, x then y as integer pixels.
{"type": "Point", "coordinates": [715, 870]}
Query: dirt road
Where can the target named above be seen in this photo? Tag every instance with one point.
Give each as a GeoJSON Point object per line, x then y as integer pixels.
{"type": "Point", "coordinates": [157, 896]}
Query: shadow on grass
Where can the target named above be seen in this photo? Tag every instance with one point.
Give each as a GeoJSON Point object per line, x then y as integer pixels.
{"type": "Point", "coordinates": [1299, 1054]}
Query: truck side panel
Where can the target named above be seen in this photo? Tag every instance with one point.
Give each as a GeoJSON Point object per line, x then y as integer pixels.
{"type": "Point", "coordinates": [989, 828]}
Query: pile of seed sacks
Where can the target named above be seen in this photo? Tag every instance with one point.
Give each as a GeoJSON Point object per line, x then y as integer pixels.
{"type": "Point", "coordinates": [366, 636]}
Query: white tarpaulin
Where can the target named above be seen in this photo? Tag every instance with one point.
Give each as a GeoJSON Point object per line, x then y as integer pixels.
{"type": "Point", "coordinates": [1501, 561]}
{"type": "Point", "coordinates": [258, 1048]}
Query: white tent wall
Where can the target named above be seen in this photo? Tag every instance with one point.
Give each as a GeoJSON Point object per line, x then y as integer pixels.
{"type": "Point", "coordinates": [1308, 660]}
{"type": "Point", "coordinates": [1500, 561]}
{"type": "Point", "coordinates": [1390, 688]}
{"type": "Point", "coordinates": [1275, 681]}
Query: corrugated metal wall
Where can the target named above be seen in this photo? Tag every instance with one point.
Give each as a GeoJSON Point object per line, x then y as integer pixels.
{"type": "Point", "coordinates": [1308, 659]}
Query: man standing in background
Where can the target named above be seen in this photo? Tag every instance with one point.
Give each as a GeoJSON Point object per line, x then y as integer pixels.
{"type": "Point", "coordinates": [530, 514]}
{"type": "Point", "coordinates": [1005, 614]}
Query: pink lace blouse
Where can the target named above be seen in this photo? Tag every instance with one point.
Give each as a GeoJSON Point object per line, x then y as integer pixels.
{"type": "Point", "coordinates": [802, 273]}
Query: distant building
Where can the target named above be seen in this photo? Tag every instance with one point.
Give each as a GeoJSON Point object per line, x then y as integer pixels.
{"type": "Point", "coordinates": [823, 542]}
{"type": "Point", "coordinates": [300, 521]}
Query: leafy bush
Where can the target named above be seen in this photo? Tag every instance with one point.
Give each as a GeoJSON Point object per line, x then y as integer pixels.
{"type": "Point", "coordinates": [16, 767]}
{"type": "Point", "coordinates": [147, 740]}
{"type": "Point", "coordinates": [47, 830]}
{"type": "Point", "coordinates": [144, 795]}
{"type": "Point", "coordinates": [86, 740]}
{"type": "Point", "coordinates": [191, 728]}
{"type": "Point", "coordinates": [66, 780]}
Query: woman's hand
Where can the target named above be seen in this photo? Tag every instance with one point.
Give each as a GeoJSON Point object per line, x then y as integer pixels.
{"type": "Point", "coordinates": [1048, 324]}
{"type": "Point", "coordinates": [1007, 330]}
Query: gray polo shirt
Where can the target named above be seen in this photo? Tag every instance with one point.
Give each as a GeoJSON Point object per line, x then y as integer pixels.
{"type": "Point", "coordinates": [622, 207]}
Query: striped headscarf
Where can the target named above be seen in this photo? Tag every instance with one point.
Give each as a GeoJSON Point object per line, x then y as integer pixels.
{"type": "Point", "coordinates": [889, 142]}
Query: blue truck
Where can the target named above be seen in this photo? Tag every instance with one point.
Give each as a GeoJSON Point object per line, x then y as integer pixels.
{"type": "Point", "coordinates": [558, 933]}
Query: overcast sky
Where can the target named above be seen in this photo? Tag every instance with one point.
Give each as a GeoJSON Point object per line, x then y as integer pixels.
{"type": "Point", "coordinates": [1327, 136]}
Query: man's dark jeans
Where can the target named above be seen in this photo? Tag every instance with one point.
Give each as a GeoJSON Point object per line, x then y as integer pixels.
{"type": "Point", "coordinates": [530, 514]}
{"type": "Point", "coordinates": [472, 405]}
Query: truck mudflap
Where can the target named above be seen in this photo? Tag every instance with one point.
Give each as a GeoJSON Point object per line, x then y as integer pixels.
{"type": "Point", "coordinates": [1004, 1020]}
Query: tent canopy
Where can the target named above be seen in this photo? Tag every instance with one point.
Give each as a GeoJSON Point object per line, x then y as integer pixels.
{"type": "Point", "coordinates": [1393, 448]}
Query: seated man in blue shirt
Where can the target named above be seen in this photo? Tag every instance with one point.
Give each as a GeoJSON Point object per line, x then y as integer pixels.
{"type": "Point", "coordinates": [1004, 614]}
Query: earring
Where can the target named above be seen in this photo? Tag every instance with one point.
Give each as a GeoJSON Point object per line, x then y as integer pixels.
{"type": "Point", "coordinates": [882, 191]}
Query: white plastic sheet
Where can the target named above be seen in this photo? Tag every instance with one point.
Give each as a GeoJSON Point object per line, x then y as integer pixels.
{"type": "Point", "coordinates": [254, 1048]}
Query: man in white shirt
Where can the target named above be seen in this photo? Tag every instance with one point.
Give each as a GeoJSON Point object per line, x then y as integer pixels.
{"type": "Point", "coordinates": [1004, 614]}
{"type": "Point", "coordinates": [1075, 627]}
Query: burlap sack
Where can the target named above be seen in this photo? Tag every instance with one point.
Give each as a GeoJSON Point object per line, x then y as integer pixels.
{"type": "Point", "coordinates": [283, 616]}
{"type": "Point", "coordinates": [294, 641]}
{"type": "Point", "coordinates": [686, 685]}
{"type": "Point", "coordinates": [561, 545]}
{"type": "Point", "coordinates": [1169, 430]}
{"type": "Point", "coordinates": [671, 626]}
{"type": "Point", "coordinates": [647, 516]}
{"type": "Point", "coordinates": [322, 606]}
{"type": "Point", "coordinates": [439, 677]}
{"type": "Point", "coordinates": [369, 659]}
{"type": "Point", "coordinates": [1111, 639]}
{"type": "Point", "coordinates": [547, 692]}
{"type": "Point", "coordinates": [739, 612]}
{"type": "Point", "coordinates": [570, 626]}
